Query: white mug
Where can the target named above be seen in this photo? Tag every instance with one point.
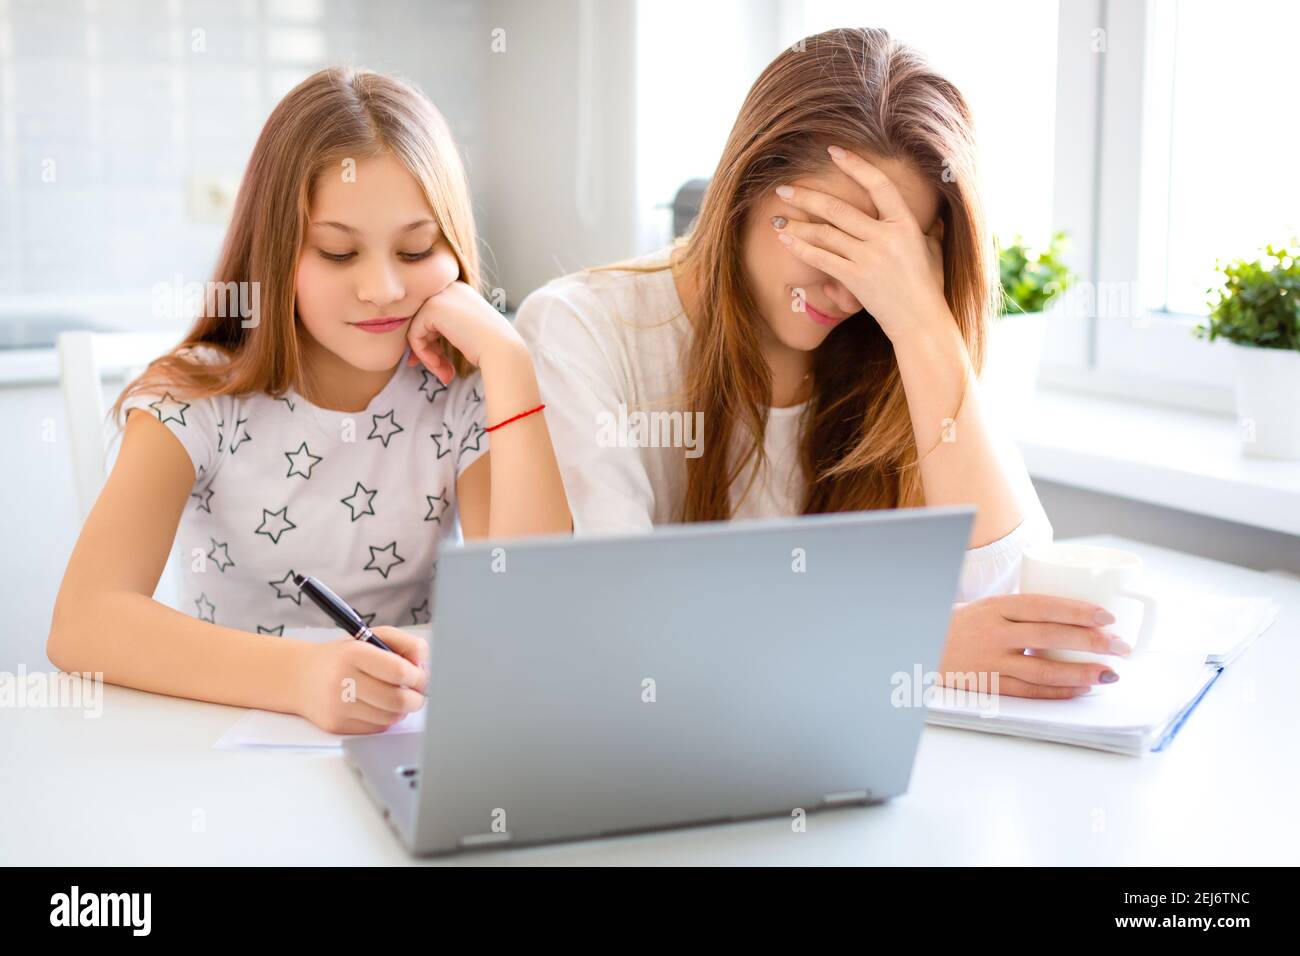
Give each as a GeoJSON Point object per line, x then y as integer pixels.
{"type": "Point", "coordinates": [1104, 576]}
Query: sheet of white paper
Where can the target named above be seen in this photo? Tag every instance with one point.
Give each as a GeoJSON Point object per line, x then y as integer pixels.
{"type": "Point", "coordinates": [263, 730]}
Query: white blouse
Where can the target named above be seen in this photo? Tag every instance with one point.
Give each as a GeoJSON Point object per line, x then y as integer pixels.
{"type": "Point", "coordinates": [607, 347]}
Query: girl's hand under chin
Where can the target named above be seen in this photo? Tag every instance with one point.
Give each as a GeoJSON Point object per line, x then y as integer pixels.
{"type": "Point", "coordinates": [889, 265]}
{"type": "Point", "coordinates": [461, 316]}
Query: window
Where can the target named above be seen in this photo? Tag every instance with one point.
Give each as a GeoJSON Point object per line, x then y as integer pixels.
{"type": "Point", "coordinates": [1223, 138]}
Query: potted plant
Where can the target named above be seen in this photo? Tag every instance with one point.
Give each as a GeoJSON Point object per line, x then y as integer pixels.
{"type": "Point", "coordinates": [1031, 281]}
{"type": "Point", "coordinates": [1257, 310]}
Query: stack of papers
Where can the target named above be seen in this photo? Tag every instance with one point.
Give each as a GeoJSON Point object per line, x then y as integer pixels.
{"type": "Point", "coordinates": [1196, 637]}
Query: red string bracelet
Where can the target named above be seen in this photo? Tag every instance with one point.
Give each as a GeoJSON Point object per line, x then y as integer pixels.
{"type": "Point", "coordinates": [492, 428]}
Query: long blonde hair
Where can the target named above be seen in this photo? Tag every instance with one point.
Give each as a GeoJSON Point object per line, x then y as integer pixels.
{"type": "Point", "coordinates": [862, 89]}
{"type": "Point", "coordinates": [333, 115]}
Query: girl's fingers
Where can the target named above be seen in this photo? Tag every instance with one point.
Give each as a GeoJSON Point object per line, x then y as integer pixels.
{"type": "Point", "coordinates": [387, 697]}
{"type": "Point", "coordinates": [842, 215]}
{"type": "Point", "coordinates": [834, 266]}
{"type": "Point", "coordinates": [883, 192]}
{"type": "Point", "coordinates": [433, 359]}
{"type": "Point", "coordinates": [390, 668]}
{"type": "Point", "coordinates": [371, 718]}
{"type": "Point", "coordinates": [823, 235]}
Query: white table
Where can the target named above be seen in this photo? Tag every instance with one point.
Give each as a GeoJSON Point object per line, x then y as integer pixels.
{"type": "Point", "coordinates": [142, 785]}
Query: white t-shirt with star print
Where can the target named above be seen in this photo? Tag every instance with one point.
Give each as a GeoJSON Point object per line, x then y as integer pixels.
{"type": "Point", "coordinates": [359, 500]}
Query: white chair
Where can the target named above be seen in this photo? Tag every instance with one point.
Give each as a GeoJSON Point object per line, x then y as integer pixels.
{"type": "Point", "coordinates": [84, 358]}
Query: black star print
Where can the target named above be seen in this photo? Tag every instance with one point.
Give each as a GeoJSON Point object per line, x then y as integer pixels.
{"type": "Point", "coordinates": [220, 556]}
{"type": "Point", "coordinates": [278, 630]}
{"type": "Point", "coordinates": [204, 499]}
{"type": "Point", "coordinates": [220, 435]}
{"type": "Point", "coordinates": [441, 506]}
{"type": "Point", "coordinates": [280, 523]}
{"type": "Point", "coordinates": [237, 438]}
{"type": "Point", "coordinates": [471, 440]}
{"type": "Point", "coordinates": [169, 409]}
{"type": "Point", "coordinates": [439, 439]}
{"type": "Point", "coordinates": [296, 461]}
{"type": "Point", "coordinates": [360, 491]}
{"type": "Point", "coordinates": [368, 618]}
{"type": "Point", "coordinates": [286, 582]}
{"type": "Point", "coordinates": [420, 613]}
{"type": "Point", "coordinates": [285, 399]}
{"type": "Point", "coordinates": [431, 387]}
{"type": "Point", "coordinates": [474, 397]}
{"type": "Point", "coordinates": [207, 611]}
{"type": "Point", "coordinates": [385, 432]}
{"type": "Point", "coordinates": [385, 565]}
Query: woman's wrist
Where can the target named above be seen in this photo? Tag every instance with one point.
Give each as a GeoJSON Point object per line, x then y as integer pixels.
{"type": "Point", "coordinates": [932, 343]}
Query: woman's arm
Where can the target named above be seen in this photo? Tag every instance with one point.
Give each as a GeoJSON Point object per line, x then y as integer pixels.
{"type": "Point", "coordinates": [958, 461]}
{"type": "Point", "coordinates": [896, 272]}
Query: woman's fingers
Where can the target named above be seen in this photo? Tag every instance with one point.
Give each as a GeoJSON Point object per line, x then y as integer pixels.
{"type": "Point", "coordinates": [1015, 687]}
{"type": "Point", "coordinates": [1049, 607]}
{"type": "Point", "coordinates": [1072, 637]}
{"type": "Point", "coordinates": [883, 192]}
{"type": "Point", "coordinates": [1042, 670]}
{"type": "Point", "coordinates": [837, 267]}
{"type": "Point", "coordinates": [842, 215]}
{"type": "Point", "coordinates": [819, 234]}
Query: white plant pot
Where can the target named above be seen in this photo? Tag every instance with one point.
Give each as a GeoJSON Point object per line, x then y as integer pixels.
{"type": "Point", "coordinates": [1268, 401]}
{"type": "Point", "coordinates": [1013, 354]}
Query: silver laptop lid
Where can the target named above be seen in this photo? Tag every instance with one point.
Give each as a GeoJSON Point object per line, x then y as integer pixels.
{"type": "Point", "coordinates": [695, 673]}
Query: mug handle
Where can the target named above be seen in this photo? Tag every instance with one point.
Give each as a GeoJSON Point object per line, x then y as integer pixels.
{"type": "Point", "coordinates": [1149, 615]}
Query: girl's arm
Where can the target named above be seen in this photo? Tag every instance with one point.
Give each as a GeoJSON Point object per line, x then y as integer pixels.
{"type": "Point", "coordinates": [105, 619]}
{"type": "Point", "coordinates": [515, 488]}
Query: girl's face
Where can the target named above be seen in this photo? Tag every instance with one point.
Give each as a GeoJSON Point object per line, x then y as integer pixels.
{"type": "Point", "coordinates": [780, 281]}
{"type": "Point", "coordinates": [372, 250]}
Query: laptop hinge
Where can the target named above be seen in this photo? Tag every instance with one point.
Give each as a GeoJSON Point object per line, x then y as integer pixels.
{"type": "Point", "coordinates": [485, 839]}
{"type": "Point", "coordinates": [846, 796]}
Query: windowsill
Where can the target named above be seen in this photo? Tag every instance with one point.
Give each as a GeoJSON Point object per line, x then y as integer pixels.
{"type": "Point", "coordinates": [1189, 460]}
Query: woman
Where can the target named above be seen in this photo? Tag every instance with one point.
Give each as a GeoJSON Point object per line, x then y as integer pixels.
{"type": "Point", "coordinates": [824, 323]}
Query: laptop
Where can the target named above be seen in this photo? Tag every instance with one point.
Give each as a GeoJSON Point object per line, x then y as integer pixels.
{"type": "Point", "coordinates": [588, 686]}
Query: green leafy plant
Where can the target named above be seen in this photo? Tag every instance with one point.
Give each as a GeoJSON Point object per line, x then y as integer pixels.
{"type": "Point", "coordinates": [1032, 278]}
{"type": "Point", "coordinates": [1258, 303]}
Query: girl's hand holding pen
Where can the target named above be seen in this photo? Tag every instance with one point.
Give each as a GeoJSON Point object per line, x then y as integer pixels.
{"type": "Point", "coordinates": [351, 687]}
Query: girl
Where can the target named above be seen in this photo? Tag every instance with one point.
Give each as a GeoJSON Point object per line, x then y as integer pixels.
{"type": "Point", "coordinates": [337, 429]}
{"type": "Point", "coordinates": [824, 321]}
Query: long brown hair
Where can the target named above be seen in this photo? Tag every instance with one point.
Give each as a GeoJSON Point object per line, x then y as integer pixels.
{"type": "Point", "coordinates": [334, 115]}
{"type": "Point", "coordinates": [862, 89]}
